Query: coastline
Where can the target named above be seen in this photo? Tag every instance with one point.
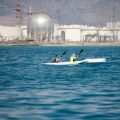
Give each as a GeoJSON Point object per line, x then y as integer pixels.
{"type": "Point", "coordinates": [116, 43]}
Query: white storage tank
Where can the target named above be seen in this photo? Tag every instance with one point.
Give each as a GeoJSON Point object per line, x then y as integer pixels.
{"type": "Point", "coordinates": [40, 26]}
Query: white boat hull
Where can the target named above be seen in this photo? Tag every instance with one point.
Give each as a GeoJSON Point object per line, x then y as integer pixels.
{"type": "Point", "coordinates": [65, 63]}
{"type": "Point", "coordinates": [95, 60]}
{"type": "Point", "coordinates": [91, 60]}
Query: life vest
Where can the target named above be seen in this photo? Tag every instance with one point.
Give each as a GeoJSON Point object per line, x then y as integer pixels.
{"type": "Point", "coordinates": [72, 59]}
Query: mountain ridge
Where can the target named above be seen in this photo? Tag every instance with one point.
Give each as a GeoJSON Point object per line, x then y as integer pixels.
{"type": "Point", "coordinates": [86, 12]}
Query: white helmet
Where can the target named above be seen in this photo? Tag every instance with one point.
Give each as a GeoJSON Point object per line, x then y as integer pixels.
{"type": "Point", "coordinates": [73, 54]}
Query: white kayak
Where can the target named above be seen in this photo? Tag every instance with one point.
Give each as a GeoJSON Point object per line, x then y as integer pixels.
{"type": "Point", "coordinates": [95, 60]}
{"type": "Point", "coordinates": [91, 60]}
{"type": "Point", "coordinates": [65, 63]}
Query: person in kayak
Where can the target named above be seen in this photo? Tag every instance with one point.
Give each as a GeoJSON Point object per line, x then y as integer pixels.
{"type": "Point", "coordinates": [73, 58]}
{"type": "Point", "coordinates": [56, 59]}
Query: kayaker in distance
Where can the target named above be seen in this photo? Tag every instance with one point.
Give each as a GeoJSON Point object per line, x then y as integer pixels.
{"type": "Point", "coordinates": [73, 58]}
{"type": "Point", "coordinates": [56, 59]}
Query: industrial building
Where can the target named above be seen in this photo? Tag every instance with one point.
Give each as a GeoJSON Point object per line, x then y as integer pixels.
{"type": "Point", "coordinates": [86, 33]}
{"type": "Point", "coordinates": [41, 28]}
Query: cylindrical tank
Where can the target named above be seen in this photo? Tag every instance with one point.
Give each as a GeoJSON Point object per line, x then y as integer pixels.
{"type": "Point", "coordinates": [40, 26]}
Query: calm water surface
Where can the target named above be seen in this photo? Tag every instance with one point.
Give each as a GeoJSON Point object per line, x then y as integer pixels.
{"type": "Point", "coordinates": [30, 90]}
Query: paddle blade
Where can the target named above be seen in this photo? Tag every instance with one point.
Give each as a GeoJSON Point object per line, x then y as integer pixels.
{"type": "Point", "coordinates": [81, 51]}
{"type": "Point", "coordinates": [64, 53]}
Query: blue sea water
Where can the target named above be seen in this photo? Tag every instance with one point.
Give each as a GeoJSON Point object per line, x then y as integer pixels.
{"type": "Point", "coordinates": [30, 90]}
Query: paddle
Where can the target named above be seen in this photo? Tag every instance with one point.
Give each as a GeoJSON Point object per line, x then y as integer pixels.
{"type": "Point", "coordinates": [63, 54]}
{"type": "Point", "coordinates": [80, 51]}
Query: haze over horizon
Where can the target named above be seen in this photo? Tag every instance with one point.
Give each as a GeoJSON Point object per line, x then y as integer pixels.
{"type": "Point", "coordinates": [82, 12]}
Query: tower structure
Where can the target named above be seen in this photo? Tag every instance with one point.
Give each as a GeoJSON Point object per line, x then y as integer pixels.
{"type": "Point", "coordinates": [18, 14]}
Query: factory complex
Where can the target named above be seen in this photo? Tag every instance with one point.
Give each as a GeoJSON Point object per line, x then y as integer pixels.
{"type": "Point", "coordinates": [41, 28]}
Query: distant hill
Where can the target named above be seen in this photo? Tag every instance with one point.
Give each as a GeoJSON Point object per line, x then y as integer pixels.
{"type": "Point", "coordinates": [86, 12]}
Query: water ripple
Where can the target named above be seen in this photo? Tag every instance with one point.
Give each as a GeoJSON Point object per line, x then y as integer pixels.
{"type": "Point", "coordinates": [31, 90]}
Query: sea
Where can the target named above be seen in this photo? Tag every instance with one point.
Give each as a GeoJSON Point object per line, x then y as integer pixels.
{"type": "Point", "coordinates": [30, 90]}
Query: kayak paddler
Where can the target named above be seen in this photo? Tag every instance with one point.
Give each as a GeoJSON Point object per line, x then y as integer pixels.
{"type": "Point", "coordinates": [73, 58]}
{"type": "Point", "coordinates": [56, 59]}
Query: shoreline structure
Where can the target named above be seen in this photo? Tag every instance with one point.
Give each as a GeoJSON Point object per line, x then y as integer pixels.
{"type": "Point", "coordinates": [113, 43]}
